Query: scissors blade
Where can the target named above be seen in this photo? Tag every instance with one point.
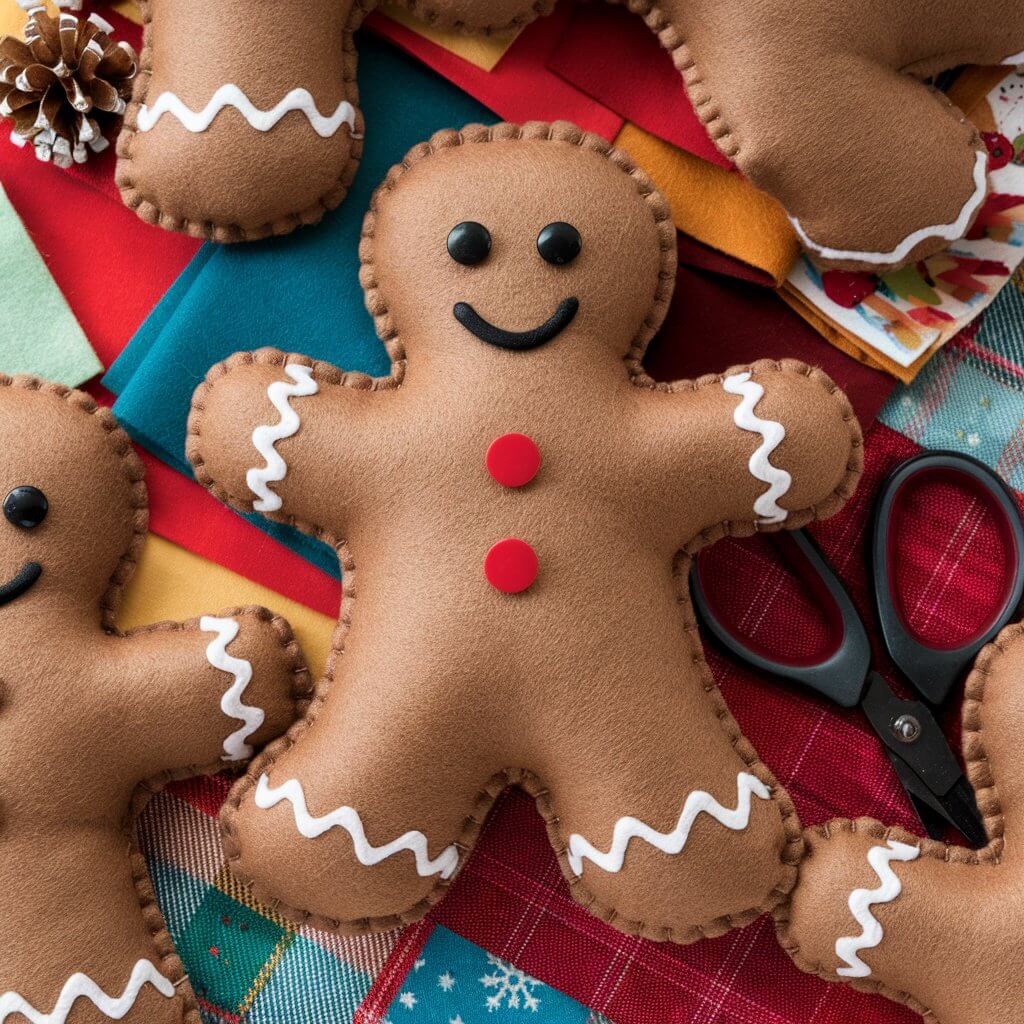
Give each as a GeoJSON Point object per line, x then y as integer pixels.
{"type": "Point", "coordinates": [956, 808]}
{"type": "Point", "coordinates": [924, 763]}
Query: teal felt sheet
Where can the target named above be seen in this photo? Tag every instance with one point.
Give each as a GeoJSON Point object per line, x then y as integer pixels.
{"type": "Point", "coordinates": [299, 293]}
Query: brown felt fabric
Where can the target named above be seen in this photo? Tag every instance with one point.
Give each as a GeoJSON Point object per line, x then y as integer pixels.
{"type": "Point", "coordinates": [231, 182]}
{"type": "Point", "coordinates": [590, 688]}
{"type": "Point", "coordinates": [826, 110]}
{"type": "Point", "coordinates": [951, 940]}
{"type": "Point", "coordinates": [93, 722]}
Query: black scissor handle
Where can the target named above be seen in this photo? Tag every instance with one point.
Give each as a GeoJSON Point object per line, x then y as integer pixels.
{"type": "Point", "coordinates": [933, 669]}
{"type": "Point", "coordinates": [841, 675]}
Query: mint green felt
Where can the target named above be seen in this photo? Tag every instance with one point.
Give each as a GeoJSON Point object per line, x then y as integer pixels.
{"type": "Point", "coordinates": [38, 332]}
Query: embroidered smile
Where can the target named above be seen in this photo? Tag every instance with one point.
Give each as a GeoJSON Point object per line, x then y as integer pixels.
{"type": "Point", "coordinates": [517, 341]}
{"type": "Point", "coordinates": [23, 581]}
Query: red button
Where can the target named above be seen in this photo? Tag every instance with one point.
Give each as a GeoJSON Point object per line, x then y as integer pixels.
{"type": "Point", "coordinates": [513, 460]}
{"type": "Point", "coordinates": [511, 565]}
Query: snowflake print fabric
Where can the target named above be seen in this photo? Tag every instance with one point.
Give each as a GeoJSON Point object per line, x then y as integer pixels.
{"type": "Point", "coordinates": [454, 981]}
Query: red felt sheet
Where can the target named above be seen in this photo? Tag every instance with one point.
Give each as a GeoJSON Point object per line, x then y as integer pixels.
{"type": "Point", "coordinates": [612, 56]}
{"type": "Point", "coordinates": [520, 87]}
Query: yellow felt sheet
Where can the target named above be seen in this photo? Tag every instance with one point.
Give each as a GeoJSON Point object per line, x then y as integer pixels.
{"type": "Point", "coordinates": [13, 18]}
{"type": "Point", "coordinates": [483, 51]}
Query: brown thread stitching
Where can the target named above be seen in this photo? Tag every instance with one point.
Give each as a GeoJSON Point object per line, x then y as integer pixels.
{"type": "Point", "coordinates": [388, 332]}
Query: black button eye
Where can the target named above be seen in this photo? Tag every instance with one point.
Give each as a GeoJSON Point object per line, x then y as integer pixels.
{"type": "Point", "coordinates": [469, 243]}
{"type": "Point", "coordinates": [559, 243]}
{"type": "Point", "coordinates": [26, 507]}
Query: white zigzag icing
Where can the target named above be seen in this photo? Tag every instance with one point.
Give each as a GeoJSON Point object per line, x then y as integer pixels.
{"type": "Point", "coordinates": [81, 986]}
{"type": "Point", "coordinates": [262, 120]}
{"type": "Point", "coordinates": [950, 232]}
{"type": "Point", "coordinates": [266, 437]}
{"type": "Point", "coordinates": [235, 747]}
{"type": "Point", "coordinates": [697, 802]}
{"type": "Point", "coordinates": [861, 901]}
{"type": "Point", "coordinates": [772, 434]}
{"type": "Point", "coordinates": [348, 819]}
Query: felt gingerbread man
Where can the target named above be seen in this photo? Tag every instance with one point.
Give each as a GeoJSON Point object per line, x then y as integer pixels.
{"type": "Point", "coordinates": [936, 927]}
{"type": "Point", "coordinates": [93, 722]}
{"type": "Point", "coordinates": [244, 120]}
{"type": "Point", "coordinates": [513, 508]}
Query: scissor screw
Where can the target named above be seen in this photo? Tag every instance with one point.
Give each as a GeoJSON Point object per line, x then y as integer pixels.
{"type": "Point", "coordinates": [906, 728]}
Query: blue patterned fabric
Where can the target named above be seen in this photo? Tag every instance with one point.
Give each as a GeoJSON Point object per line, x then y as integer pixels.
{"type": "Point", "coordinates": [456, 982]}
{"type": "Point", "coordinates": [970, 397]}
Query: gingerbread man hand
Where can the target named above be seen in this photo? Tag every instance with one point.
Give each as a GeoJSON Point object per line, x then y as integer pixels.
{"type": "Point", "coordinates": [936, 927]}
{"type": "Point", "coordinates": [509, 507]}
{"type": "Point", "coordinates": [93, 722]}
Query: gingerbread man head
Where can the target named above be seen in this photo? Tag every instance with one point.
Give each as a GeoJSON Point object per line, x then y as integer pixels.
{"type": "Point", "coordinates": [513, 508]}
{"type": "Point", "coordinates": [245, 122]}
{"type": "Point", "coordinates": [74, 508]}
{"type": "Point", "coordinates": [936, 927]}
{"type": "Point", "coordinates": [93, 722]}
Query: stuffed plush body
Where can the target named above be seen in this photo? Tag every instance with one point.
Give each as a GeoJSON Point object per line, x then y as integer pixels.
{"type": "Point", "coordinates": [93, 722]}
{"type": "Point", "coordinates": [936, 927]}
{"type": "Point", "coordinates": [509, 507]}
{"type": "Point", "coordinates": [244, 120]}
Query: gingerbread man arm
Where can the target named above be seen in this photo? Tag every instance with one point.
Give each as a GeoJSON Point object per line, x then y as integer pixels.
{"type": "Point", "coordinates": [770, 445]}
{"type": "Point", "coordinates": [260, 424]}
{"type": "Point", "coordinates": [930, 925]}
{"type": "Point", "coordinates": [209, 691]}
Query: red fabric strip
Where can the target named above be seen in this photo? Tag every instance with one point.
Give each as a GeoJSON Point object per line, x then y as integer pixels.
{"type": "Point", "coordinates": [520, 87]}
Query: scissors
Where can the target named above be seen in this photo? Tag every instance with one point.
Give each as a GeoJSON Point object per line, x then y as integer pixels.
{"type": "Point", "coordinates": [912, 738]}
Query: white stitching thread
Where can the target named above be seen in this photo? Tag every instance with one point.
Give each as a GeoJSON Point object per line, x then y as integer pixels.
{"type": "Point", "coordinates": [861, 901]}
{"type": "Point", "coordinates": [81, 986]}
{"type": "Point", "coordinates": [235, 747]}
{"type": "Point", "coordinates": [230, 95]}
{"type": "Point", "coordinates": [772, 433]}
{"type": "Point", "coordinates": [949, 232]}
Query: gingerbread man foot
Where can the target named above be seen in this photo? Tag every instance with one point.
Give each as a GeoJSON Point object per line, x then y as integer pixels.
{"type": "Point", "coordinates": [514, 507]}
{"type": "Point", "coordinates": [936, 927]}
{"type": "Point", "coordinates": [245, 118]}
{"type": "Point", "coordinates": [93, 722]}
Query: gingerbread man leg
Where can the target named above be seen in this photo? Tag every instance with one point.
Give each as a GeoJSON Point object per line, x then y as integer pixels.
{"type": "Point", "coordinates": [245, 118]}
{"type": "Point", "coordinates": [893, 136]}
{"type": "Point", "coordinates": [231, 99]}
{"type": "Point", "coordinates": [933, 926]}
{"type": "Point", "coordinates": [632, 850]}
{"type": "Point", "coordinates": [98, 959]}
{"type": "Point", "coordinates": [373, 798]}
